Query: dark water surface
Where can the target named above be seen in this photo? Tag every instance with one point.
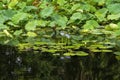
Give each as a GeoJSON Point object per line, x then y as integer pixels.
{"type": "Point", "coordinates": [33, 65]}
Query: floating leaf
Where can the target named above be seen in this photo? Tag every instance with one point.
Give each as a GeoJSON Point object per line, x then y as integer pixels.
{"type": "Point", "coordinates": [101, 13]}
{"type": "Point", "coordinates": [19, 17]}
{"type": "Point", "coordinates": [17, 32]}
{"type": "Point", "coordinates": [31, 34]}
{"type": "Point", "coordinates": [75, 7]}
{"type": "Point", "coordinates": [46, 12]}
{"type": "Point", "coordinates": [91, 24]}
{"type": "Point", "coordinates": [113, 16]}
{"type": "Point", "coordinates": [2, 26]}
{"type": "Point", "coordinates": [81, 53]}
{"type": "Point", "coordinates": [30, 25]}
{"type": "Point", "coordinates": [12, 4]}
{"type": "Point", "coordinates": [117, 53]}
{"type": "Point", "coordinates": [61, 2]}
{"type": "Point", "coordinates": [114, 8]}
{"type": "Point", "coordinates": [60, 20]}
{"type": "Point", "coordinates": [7, 33]}
{"type": "Point", "coordinates": [75, 16]}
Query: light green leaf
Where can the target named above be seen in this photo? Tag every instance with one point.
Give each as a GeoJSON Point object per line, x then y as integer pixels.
{"type": "Point", "coordinates": [117, 53]}
{"type": "Point", "coordinates": [75, 7]}
{"type": "Point", "coordinates": [30, 26]}
{"type": "Point", "coordinates": [81, 53]}
{"type": "Point", "coordinates": [2, 26]}
{"type": "Point", "coordinates": [114, 8]}
{"type": "Point", "coordinates": [17, 32]}
{"type": "Point", "coordinates": [113, 16]}
{"type": "Point", "coordinates": [60, 20]}
{"type": "Point", "coordinates": [3, 18]}
{"type": "Point", "coordinates": [61, 2]}
{"type": "Point", "coordinates": [31, 34]}
{"type": "Point", "coordinates": [76, 16]}
{"type": "Point", "coordinates": [20, 16]}
{"type": "Point", "coordinates": [91, 24]}
{"type": "Point", "coordinates": [101, 13]}
{"type": "Point", "coordinates": [12, 4]}
{"type": "Point", "coordinates": [46, 12]}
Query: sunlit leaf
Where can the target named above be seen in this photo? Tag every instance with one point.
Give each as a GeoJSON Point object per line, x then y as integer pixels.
{"type": "Point", "coordinates": [17, 32]}
{"type": "Point", "coordinates": [101, 14]}
{"type": "Point", "coordinates": [31, 34]}
{"type": "Point", "coordinates": [117, 53]}
{"type": "Point", "coordinates": [30, 25]}
{"type": "Point", "coordinates": [19, 17]}
{"type": "Point", "coordinates": [12, 4]}
{"type": "Point", "coordinates": [61, 2]}
{"type": "Point", "coordinates": [60, 20]}
{"type": "Point", "coordinates": [91, 24]}
{"type": "Point", "coordinates": [113, 16]}
{"type": "Point", "coordinates": [46, 12]}
{"type": "Point", "coordinates": [2, 26]}
{"type": "Point", "coordinates": [114, 8]}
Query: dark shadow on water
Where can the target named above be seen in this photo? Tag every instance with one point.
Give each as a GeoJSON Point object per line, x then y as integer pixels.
{"type": "Point", "coordinates": [43, 66]}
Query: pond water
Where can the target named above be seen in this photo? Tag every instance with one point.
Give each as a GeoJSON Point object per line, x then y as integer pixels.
{"type": "Point", "coordinates": [33, 65]}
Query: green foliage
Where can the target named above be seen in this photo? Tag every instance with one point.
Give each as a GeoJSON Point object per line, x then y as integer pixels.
{"type": "Point", "coordinates": [64, 26]}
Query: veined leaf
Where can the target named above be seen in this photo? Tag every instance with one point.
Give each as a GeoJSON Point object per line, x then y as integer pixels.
{"type": "Point", "coordinates": [31, 34]}
{"type": "Point", "coordinates": [91, 24]}
{"type": "Point", "coordinates": [60, 20]}
{"type": "Point", "coordinates": [12, 4]}
{"type": "Point", "coordinates": [75, 16]}
{"type": "Point", "coordinates": [117, 53]}
{"type": "Point", "coordinates": [46, 12]}
{"type": "Point", "coordinates": [113, 16]}
{"type": "Point", "coordinates": [30, 26]}
{"type": "Point", "coordinates": [17, 32]}
{"type": "Point", "coordinates": [2, 26]}
{"type": "Point", "coordinates": [101, 14]}
{"type": "Point", "coordinates": [114, 8]}
{"type": "Point", "coordinates": [61, 2]}
{"type": "Point", "coordinates": [20, 16]}
{"type": "Point", "coordinates": [7, 33]}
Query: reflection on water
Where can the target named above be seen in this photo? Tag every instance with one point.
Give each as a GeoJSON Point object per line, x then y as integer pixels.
{"type": "Point", "coordinates": [43, 66]}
